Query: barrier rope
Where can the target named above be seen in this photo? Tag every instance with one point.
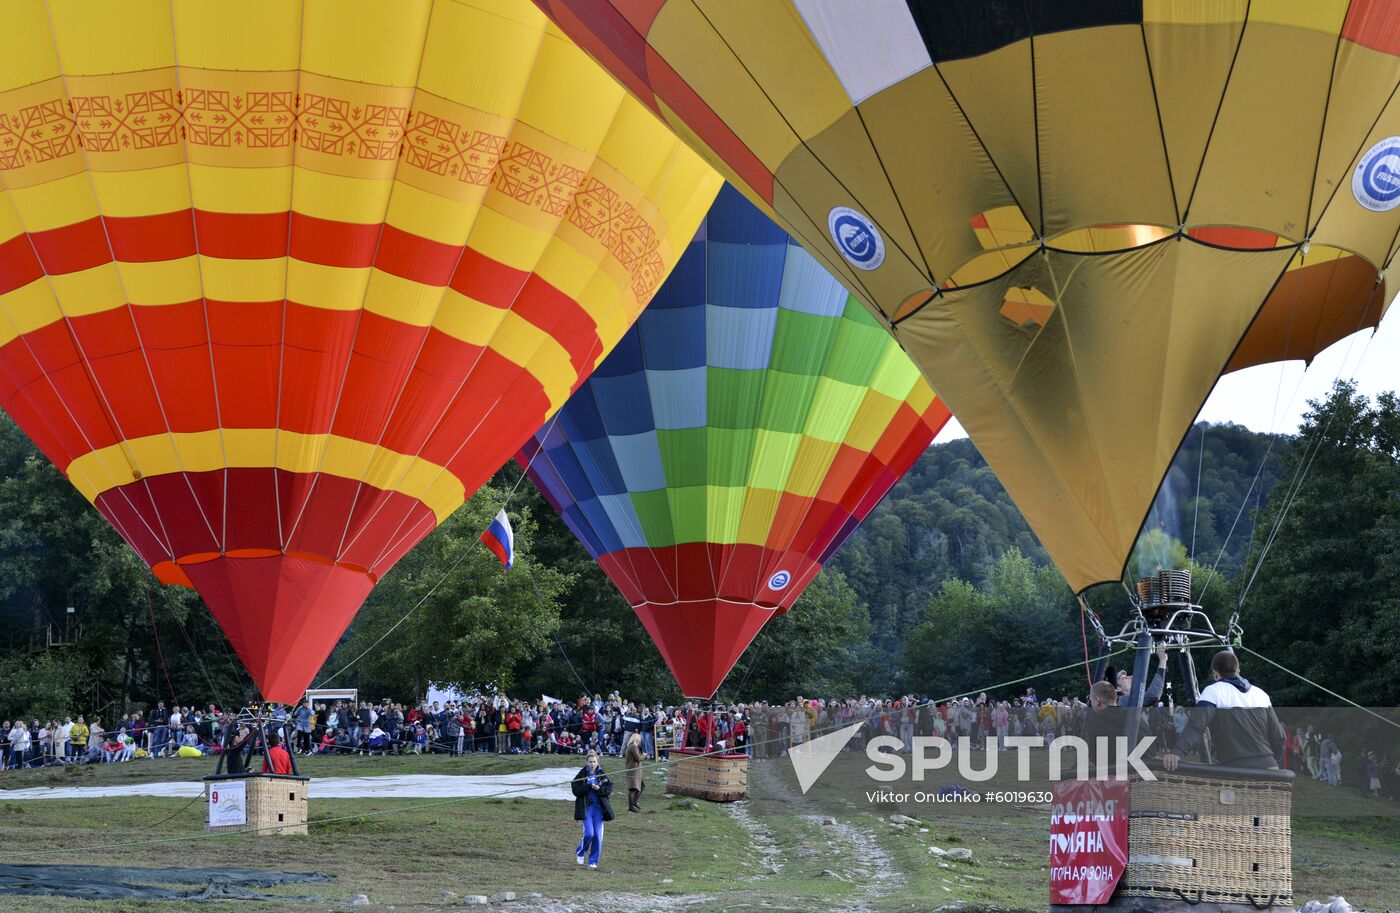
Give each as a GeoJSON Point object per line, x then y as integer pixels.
{"type": "Point", "coordinates": [1327, 691]}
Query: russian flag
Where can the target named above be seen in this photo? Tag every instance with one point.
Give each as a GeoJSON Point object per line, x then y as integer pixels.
{"type": "Point", "coordinates": [500, 539]}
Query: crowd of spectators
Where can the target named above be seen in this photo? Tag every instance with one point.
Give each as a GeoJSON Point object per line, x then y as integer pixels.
{"type": "Point", "coordinates": [495, 724]}
{"type": "Point", "coordinates": [501, 725]}
{"type": "Point", "coordinates": [78, 740]}
{"type": "Point", "coordinates": [498, 724]}
{"type": "Point", "coordinates": [1312, 753]}
{"type": "Point", "coordinates": [983, 721]}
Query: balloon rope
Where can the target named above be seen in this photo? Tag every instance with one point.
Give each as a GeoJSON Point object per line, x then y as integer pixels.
{"type": "Point", "coordinates": [1084, 636]}
{"type": "Point", "coordinates": [1273, 439]}
{"type": "Point", "coordinates": [160, 651]}
{"type": "Point", "coordinates": [753, 663]}
{"type": "Point", "coordinates": [1196, 506]}
{"type": "Point", "coordinates": [445, 575]}
{"type": "Point", "coordinates": [1327, 691]}
{"type": "Point", "coordinates": [555, 632]}
{"type": "Point", "coordinates": [1301, 473]}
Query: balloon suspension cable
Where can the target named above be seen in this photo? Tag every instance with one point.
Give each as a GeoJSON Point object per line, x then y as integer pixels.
{"type": "Point", "coordinates": [1094, 620]}
{"type": "Point", "coordinates": [1235, 634]}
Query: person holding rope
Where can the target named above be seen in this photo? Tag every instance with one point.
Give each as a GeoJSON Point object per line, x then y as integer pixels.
{"type": "Point", "coordinates": [591, 790]}
{"type": "Point", "coordinates": [1153, 693]}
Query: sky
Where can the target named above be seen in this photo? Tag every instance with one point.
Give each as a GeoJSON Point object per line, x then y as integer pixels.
{"type": "Point", "coordinates": [1274, 397]}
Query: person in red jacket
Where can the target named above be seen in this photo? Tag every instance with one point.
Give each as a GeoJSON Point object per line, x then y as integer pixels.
{"type": "Point", "coordinates": [277, 760]}
{"type": "Point", "coordinates": [513, 727]}
{"type": "Point", "coordinates": [705, 725]}
{"type": "Point", "coordinates": [468, 729]}
{"type": "Point", "coordinates": [590, 728]}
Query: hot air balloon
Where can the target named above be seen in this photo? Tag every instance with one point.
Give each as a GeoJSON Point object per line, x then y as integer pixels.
{"type": "Point", "coordinates": [1074, 216]}
{"type": "Point", "coordinates": [742, 429]}
{"type": "Point", "coordinates": [282, 283]}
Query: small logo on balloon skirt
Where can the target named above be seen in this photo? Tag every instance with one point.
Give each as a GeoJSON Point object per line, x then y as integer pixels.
{"type": "Point", "coordinates": [779, 581]}
{"type": "Point", "coordinates": [856, 238]}
{"type": "Point", "coordinates": [1376, 181]}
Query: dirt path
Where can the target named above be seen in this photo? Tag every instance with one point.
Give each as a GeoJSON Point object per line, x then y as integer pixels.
{"type": "Point", "coordinates": [847, 847]}
{"type": "Point", "coordinates": [618, 902]}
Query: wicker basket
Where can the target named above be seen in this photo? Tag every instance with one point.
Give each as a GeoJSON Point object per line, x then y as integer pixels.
{"type": "Point", "coordinates": [715, 777]}
{"type": "Point", "coordinates": [1199, 836]}
{"type": "Point", "coordinates": [276, 804]}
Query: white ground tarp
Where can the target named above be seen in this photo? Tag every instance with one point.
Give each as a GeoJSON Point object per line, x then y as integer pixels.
{"type": "Point", "coordinates": [547, 783]}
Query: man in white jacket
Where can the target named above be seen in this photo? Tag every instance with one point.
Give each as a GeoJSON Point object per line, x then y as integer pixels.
{"type": "Point", "coordinates": [19, 745]}
{"type": "Point", "coordinates": [1244, 730]}
{"type": "Point", "coordinates": [61, 738]}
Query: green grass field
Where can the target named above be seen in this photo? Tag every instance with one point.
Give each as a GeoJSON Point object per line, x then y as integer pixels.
{"type": "Point", "coordinates": [676, 854]}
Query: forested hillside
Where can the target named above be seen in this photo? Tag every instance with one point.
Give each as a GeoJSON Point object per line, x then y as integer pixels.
{"type": "Point", "coordinates": [950, 519]}
{"type": "Point", "coordinates": [944, 588]}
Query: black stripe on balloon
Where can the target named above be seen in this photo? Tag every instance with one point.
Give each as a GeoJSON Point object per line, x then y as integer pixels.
{"type": "Point", "coordinates": [958, 29]}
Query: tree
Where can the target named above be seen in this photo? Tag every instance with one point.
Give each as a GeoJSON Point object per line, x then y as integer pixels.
{"type": "Point", "coordinates": [140, 641]}
{"type": "Point", "coordinates": [1321, 590]}
{"type": "Point", "coordinates": [45, 688]}
{"type": "Point", "coordinates": [1022, 620]}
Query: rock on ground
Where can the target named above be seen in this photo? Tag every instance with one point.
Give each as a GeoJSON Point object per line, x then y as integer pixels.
{"type": "Point", "coordinates": [1335, 905]}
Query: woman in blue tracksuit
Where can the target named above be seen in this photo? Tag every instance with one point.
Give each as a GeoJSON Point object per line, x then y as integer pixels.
{"type": "Point", "coordinates": [591, 806]}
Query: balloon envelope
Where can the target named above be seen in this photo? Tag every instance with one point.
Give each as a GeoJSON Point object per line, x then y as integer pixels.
{"type": "Point", "coordinates": [742, 429]}
{"type": "Point", "coordinates": [1074, 216]}
{"type": "Point", "coordinates": [282, 283]}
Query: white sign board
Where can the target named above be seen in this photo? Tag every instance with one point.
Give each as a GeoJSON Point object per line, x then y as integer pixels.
{"type": "Point", "coordinates": [228, 803]}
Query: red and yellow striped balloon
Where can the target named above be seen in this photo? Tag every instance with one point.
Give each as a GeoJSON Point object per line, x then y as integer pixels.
{"type": "Point", "coordinates": [282, 283]}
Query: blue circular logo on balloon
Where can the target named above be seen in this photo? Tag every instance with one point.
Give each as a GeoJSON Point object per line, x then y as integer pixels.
{"type": "Point", "coordinates": [856, 238]}
{"type": "Point", "coordinates": [1376, 181]}
{"type": "Point", "coordinates": [779, 581]}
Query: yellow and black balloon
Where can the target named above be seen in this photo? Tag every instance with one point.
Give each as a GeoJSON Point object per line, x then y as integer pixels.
{"type": "Point", "coordinates": [1073, 216]}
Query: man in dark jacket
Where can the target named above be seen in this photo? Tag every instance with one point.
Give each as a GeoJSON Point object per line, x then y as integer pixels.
{"type": "Point", "coordinates": [591, 788]}
{"type": "Point", "coordinates": [157, 724]}
{"type": "Point", "coordinates": [1244, 730]}
{"type": "Point", "coordinates": [1104, 720]}
{"type": "Point", "coordinates": [493, 725]}
{"type": "Point", "coordinates": [636, 773]}
{"type": "Point", "coordinates": [451, 728]}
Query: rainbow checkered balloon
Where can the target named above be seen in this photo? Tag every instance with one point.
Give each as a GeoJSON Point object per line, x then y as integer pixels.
{"type": "Point", "coordinates": [737, 435]}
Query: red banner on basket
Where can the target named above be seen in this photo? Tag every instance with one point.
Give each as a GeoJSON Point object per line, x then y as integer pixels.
{"type": "Point", "coordinates": [1088, 840]}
